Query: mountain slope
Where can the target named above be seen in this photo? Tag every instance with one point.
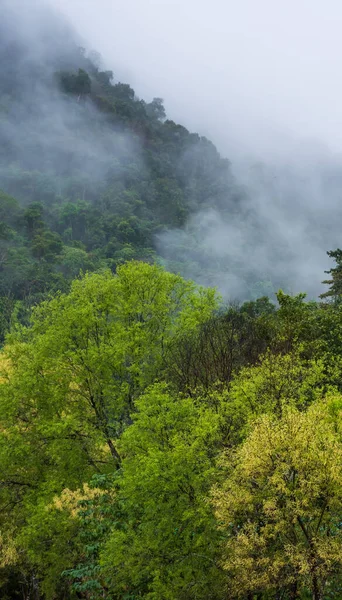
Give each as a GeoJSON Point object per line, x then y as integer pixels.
{"type": "Point", "coordinates": [96, 172]}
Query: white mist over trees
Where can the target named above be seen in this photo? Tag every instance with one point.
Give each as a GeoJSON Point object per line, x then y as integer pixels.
{"type": "Point", "coordinates": [261, 80]}
{"type": "Point", "coordinates": [157, 442]}
{"type": "Point", "coordinates": [90, 174]}
{"type": "Point", "coordinates": [282, 151]}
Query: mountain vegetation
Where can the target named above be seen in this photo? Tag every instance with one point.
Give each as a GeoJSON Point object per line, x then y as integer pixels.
{"type": "Point", "coordinates": [89, 173]}
{"type": "Point", "coordinates": [155, 442]}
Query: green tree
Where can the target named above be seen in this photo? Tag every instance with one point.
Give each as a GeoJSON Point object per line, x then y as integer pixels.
{"type": "Point", "coordinates": [165, 545]}
{"type": "Point", "coordinates": [156, 110]}
{"type": "Point", "coordinates": [335, 282]}
{"type": "Point", "coordinates": [79, 84]}
{"type": "Point", "coordinates": [71, 382]}
{"type": "Point", "coordinates": [280, 505]}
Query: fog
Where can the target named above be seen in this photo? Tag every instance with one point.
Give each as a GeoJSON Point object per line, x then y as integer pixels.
{"type": "Point", "coordinates": [263, 73]}
{"type": "Point", "coordinates": [43, 130]}
{"type": "Point", "coordinates": [261, 80]}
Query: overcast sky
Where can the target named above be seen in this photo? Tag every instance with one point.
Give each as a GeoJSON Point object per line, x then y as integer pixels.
{"type": "Point", "coordinates": [260, 78]}
{"type": "Point", "coordinates": [252, 73]}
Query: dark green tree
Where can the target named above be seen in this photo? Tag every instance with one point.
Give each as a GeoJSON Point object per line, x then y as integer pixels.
{"type": "Point", "coordinates": [335, 282]}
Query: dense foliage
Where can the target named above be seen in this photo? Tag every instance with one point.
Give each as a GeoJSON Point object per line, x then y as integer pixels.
{"type": "Point", "coordinates": [154, 442]}
{"type": "Point", "coordinates": [90, 174]}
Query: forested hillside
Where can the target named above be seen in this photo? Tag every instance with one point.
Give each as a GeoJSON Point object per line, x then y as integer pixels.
{"type": "Point", "coordinates": [89, 173]}
{"type": "Point", "coordinates": [155, 442]}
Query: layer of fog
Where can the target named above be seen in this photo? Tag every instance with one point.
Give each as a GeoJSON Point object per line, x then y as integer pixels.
{"type": "Point", "coordinates": [259, 78]}
{"type": "Point", "coordinates": [48, 139]}
{"type": "Point", "coordinates": [258, 72]}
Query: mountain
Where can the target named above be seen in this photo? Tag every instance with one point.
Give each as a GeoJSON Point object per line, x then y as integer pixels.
{"type": "Point", "coordinates": [90, 175]}
{"type": "Point", "coordinates": [154, 442]}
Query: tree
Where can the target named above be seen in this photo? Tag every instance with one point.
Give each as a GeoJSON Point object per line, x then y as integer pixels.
{"type": "Point", "coordinates": [75, 260]}
{"type": "Point", "coordinates": [71, 382]}
{"type": "Point", "coordinates": [79, 84]}
{"type": "Point", "coordinates": [231, 339]}
{"type": "Point", "coordinates": [277, 382]}
{"type": "Point", "coordinates": [46, 245]}
{"type": "Point", "coordinates": [7, 306]}
{"type": "Point", "coordinates": [156, 110]}
{"type": "Point", "coordinates": [335, 282]}
{"type": "Point", "coordinates": [9, 208]}
{"type": "Point", "coordinates": [165, 545]}
{"type": "Point", "coordinates": [280, 504]}
{"type": "Point", "coordinates": [33, 218]}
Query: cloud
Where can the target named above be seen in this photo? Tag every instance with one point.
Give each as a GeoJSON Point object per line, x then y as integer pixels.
{"type": "Point", "coordinates": [259, 72]}
{"type": "Point", "coordinates": [48, 138]}
{"type": "Point", "coordinates": [261, 79]}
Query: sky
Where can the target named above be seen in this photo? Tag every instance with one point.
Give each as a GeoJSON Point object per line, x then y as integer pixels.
{"type": "Point", "coordinates": [261, 79]}
{"type": "Point", "coordinates": [256, 76]}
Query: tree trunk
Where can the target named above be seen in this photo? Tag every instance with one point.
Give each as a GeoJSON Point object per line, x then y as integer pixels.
{"type": "Point", "coordinates": [316, 594]}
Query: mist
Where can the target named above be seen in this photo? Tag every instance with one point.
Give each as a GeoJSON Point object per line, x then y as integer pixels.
{"type": "Point", "coordinates": [261, 80]}
{"type": "Point", "coordinates": [262, 74]}
{"type": "Point", "coordinates": [43, 130]}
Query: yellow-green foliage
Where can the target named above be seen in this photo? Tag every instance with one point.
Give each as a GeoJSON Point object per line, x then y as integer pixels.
{"type": "Point", "coordinates": [277, 382]}
{"type": "Point", "coordinates": [119, 482]}
{"type": "Point", "coordinates": [280, 503]}
{"type": "Point", "coordinates": [68, 395]}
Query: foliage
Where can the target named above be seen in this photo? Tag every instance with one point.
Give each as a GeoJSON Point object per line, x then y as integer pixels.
{"type": "Point", "coordinates": [154, 443]}
{"type": "Point", "coordinates": [335, 272]}
{"type": "Point", "coordinates": [280, 504]}
{"type": "Point", "coordinates": [116, 402]}
{"type": "Point", "coordinates": [166, 543]}
{"type": "Point", "coordinates": [70, 385]}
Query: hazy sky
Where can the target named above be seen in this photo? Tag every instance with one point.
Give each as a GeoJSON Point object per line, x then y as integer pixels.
{"type": "Point", "coordinates": [260, 78]}
{"type": "Point", "coordinates": [248, 73]}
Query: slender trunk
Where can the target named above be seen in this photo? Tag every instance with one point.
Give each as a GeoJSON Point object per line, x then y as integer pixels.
{"type": "Point", "coordinates": [316, 595]}
{"type": "Point", "coordinates": [114, 451]}
{"type": "Point", "coordinates": [103, 426]}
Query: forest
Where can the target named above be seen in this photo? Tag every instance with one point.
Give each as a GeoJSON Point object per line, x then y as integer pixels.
{"type": "Point", "coordinates": [156, 441]}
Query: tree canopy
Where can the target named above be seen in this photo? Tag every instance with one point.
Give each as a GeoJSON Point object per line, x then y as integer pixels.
{"type": "Point", "coordinates": [155, 442]}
